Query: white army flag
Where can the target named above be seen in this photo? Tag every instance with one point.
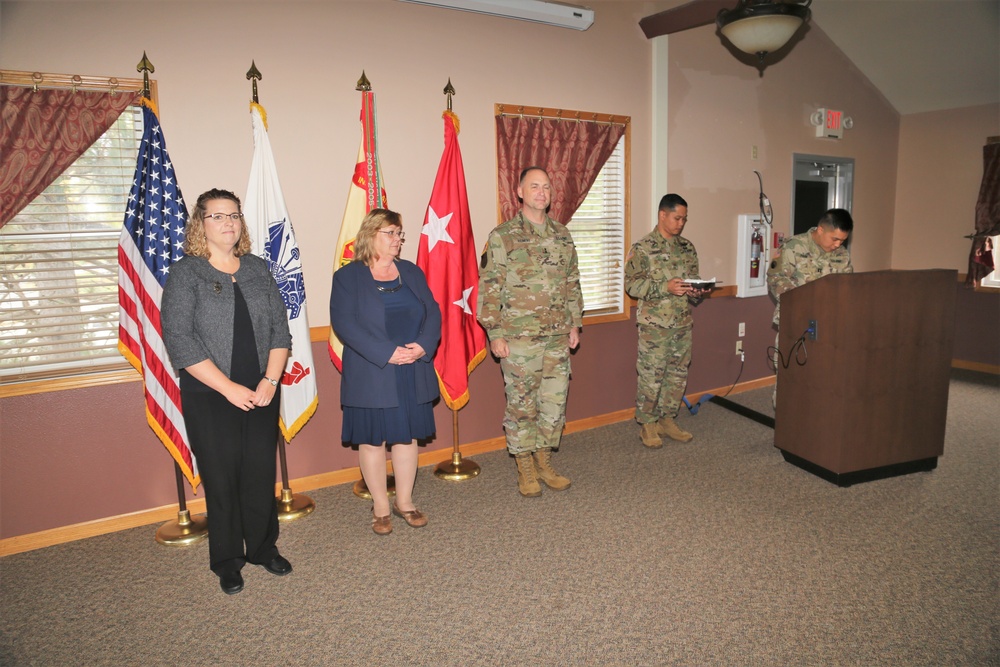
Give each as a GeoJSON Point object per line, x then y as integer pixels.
{"type": "Point", "coordinates": [274, 239]}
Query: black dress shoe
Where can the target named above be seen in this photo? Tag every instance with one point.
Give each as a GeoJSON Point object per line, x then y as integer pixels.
{"type": "Point", "coordinates": [278, 565]}
{"type": "Point", "coordinates": [231, 582]}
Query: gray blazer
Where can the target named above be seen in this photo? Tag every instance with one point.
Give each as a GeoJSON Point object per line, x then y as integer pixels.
{"type": "Point", "coordinates": [198, 306]}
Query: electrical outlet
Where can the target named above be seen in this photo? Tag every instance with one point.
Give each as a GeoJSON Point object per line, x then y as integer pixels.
{"type": "Point", "coordinates": [811, 332]}
{"type": "Point", "coordinates": [743, 329]}
{"type": "Point", "coordinates": [753, 153]}
{"type": "Point", "coordinates": [739, 347]}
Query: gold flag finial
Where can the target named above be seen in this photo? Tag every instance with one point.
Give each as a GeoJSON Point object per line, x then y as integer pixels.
{"type": "Point", "coordinates": [449, 90]}
{"type": "Point", "coordinates": [146, 68]}
{"type": "Point", "coordinates": [254, 75]}
{"type": "Point", "coordinates": [364, 84]}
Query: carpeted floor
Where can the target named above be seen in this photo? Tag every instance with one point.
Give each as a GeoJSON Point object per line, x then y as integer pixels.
{"type": "Point", "coordinates": [712, 553]}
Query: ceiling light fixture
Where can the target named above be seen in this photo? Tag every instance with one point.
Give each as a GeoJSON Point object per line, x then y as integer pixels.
{"type": "Point", "coordinates": [762, 26]}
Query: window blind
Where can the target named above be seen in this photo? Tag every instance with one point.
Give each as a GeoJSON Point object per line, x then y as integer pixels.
{"type": "Point", "coordinates": [598, 229]}
{"type": "Point", "coordinates": [59, 265]}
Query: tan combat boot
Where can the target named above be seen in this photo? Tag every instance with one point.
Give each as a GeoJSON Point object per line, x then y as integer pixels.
{"type": "Point", "coordinates": [650, 435]}
{"type": "Point", "coordinates": [543, 464]}
{"type": "Point", "coordinates": [669, 428]}
{"type": "Point", "coordinates": [527, 482]}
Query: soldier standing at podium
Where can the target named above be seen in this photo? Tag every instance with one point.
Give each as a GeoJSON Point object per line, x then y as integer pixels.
{"type": "Point", "coordinates": [808, 256]}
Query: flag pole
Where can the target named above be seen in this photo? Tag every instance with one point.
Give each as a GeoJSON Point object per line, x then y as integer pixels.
{"type": "Point", "coordinates": [360, 488]}
{"type": "Point", "coordinates": [185, 531]}
{"type": "Point", "coordinates": [455, 470]}
{"type": "Point", "coordinates": [291, 506]}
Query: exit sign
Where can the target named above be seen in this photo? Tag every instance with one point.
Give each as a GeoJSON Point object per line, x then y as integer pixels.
{"type": "Point", "coordinates": [831, 125]}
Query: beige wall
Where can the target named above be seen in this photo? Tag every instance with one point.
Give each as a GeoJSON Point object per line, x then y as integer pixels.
{"type": "Point", "coordinates": [940, 170]}
{"type": "Point", "coordinates": [720, 106]}
{"type": "Point", "coordinates": [311, 55]}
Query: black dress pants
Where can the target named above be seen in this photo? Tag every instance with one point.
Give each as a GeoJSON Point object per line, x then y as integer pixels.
{"type": "Point", "coordinates": [236, 452]}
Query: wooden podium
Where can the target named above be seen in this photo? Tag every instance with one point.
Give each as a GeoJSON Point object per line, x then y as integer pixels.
{"type": "Point", "coordinates": [872, 397]}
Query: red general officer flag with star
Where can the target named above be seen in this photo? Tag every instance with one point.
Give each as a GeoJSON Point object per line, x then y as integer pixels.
{"type": "Point", "coordinates": [447, 256]}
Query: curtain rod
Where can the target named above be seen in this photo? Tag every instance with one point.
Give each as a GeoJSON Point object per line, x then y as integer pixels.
{"type": "Point", "coordinates": [559, 114]}
{"type": "Point", "coordinates": [38, 80]}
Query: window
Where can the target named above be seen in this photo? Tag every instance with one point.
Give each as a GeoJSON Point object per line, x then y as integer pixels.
{"type": "Point", "coordinates": [598, 229]}
{"type": "Point", "coordinates": [993, 280]}
{"type": "Point", "coordinates": [59, 265]}
{"type": "Point", "coordinates": [578, 147]}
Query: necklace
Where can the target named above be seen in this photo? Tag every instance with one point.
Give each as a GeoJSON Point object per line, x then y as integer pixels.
{"type": "Point", "coordinates": [390, 289]}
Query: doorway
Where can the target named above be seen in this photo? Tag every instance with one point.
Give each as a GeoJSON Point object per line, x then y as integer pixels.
{"type": "Point", "coordinates": [819, 184]}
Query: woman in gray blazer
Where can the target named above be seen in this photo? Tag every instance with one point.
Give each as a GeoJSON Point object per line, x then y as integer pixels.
{"type": "Point", "coordinates": [385, 314]}
{"type": "Point", "coordinates": [226, 331]}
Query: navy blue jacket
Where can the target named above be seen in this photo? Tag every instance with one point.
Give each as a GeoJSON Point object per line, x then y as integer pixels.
{"type": "Point", "coordinates": [357, 315]}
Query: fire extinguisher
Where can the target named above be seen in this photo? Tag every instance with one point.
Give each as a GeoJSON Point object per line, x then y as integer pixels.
{"type": "Point", "coordinates": [756, 250]}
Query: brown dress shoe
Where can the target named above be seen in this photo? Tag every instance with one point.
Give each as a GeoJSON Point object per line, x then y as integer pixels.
{"type": "Point", "coordinates": [381, 525]}
{"type": "Point", "coordinates": [414, 518]}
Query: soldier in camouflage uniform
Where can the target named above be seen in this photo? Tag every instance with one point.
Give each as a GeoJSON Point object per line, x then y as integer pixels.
{"type": "Point", "coordinates": [532, 309]}
{"type": "Point", "coordinates": [808, 256]}
{"type": "Point", "coordinates": [654, 274]}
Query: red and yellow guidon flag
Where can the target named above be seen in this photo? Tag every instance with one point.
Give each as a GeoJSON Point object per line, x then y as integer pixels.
{"type": "Point", "coordinates": [367, 192]}
{"type": "Point", "coordinates": [447, 256]}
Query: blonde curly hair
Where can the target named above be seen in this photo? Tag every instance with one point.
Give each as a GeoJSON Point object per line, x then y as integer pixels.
{"type": "Point", "coordinates": [195, 241]}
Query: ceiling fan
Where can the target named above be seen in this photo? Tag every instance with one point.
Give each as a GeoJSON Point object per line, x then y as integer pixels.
{"type": "Point", "coordinates": [753, 26]}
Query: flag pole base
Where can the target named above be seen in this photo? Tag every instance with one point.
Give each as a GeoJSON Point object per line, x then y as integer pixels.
{"type": "Point", "coordinates": [361, 489]}
{"type": "Point", "coordinates": [457, 470]}
{"type": "Point", "coordinates": [183, 532]}
{"type": "Point", "coordinates": [292, 506]}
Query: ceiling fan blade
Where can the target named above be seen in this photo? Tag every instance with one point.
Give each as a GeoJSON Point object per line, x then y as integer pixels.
{"type": "Point", "coordinates": [693, 14]}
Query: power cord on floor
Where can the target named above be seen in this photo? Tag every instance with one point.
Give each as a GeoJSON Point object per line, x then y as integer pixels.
{"type": "Point", "coordinates": [738, 375]}
{"type": "Point", "coordinates": [693, 409]}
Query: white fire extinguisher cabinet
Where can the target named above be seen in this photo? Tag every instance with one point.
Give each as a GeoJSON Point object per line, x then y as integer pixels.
{"type": "Point", "coordinates": [753, 255]}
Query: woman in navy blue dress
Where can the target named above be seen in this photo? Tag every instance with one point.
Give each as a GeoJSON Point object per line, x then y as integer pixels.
{"type": "Point", "coordinates": [386, 317]}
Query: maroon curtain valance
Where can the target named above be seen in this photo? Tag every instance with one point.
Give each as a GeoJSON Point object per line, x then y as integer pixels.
{"type": "Point", "coordinates": [572, 152]}
{"type": "Point", "coordinates": [42, 132]}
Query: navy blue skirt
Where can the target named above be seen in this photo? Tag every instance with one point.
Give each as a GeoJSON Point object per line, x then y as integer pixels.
{"type": "Point", "coordinates": [409, 420]}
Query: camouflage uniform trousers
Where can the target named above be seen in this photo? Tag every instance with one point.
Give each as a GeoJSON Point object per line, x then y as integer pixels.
{"type": "Point", "coordinates": [662, 367]}
{"type": "Point", "coordinates": [536, 381]}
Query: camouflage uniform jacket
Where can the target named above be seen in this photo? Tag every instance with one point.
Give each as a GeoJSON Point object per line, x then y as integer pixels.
{"type": "Point", "coordinates": [529, 283]}
{"type": "Point", "coordinates": [802, 261]}
{"type": "Point", "coordinates": [652, 262]}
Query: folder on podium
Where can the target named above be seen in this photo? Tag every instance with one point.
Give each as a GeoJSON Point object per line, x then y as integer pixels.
{"type": "Point", "coordinates": [871, 399]}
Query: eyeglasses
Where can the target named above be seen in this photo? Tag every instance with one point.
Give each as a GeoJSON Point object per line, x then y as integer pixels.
{"type": "Point", "coordinates": [388, 232]}
{"type": "Point", "coordinates": [220, 217]}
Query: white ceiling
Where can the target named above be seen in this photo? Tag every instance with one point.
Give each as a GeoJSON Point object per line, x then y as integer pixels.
{"type": "Point", "coordinates": [924, 55]}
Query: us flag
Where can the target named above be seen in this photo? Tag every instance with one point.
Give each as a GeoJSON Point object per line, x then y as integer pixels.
{"type": "Point", "coordinates": [152, 239]}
